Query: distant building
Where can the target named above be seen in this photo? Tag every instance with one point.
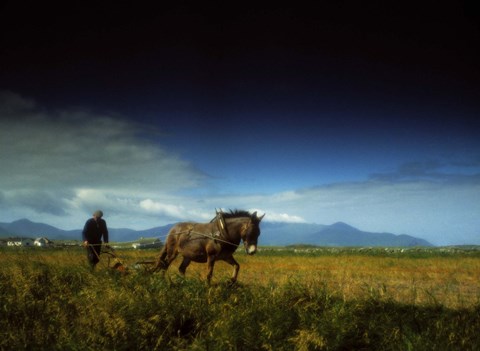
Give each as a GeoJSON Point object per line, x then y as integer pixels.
{"type": "Point", "coordinates": [42, 242]}
{"type": "Point", "coordinates": [147, 245]}
{"type": "Point", "coordinates": [20, 242]}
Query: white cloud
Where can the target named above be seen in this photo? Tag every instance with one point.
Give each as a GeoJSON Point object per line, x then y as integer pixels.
{"type": "Point", "coordinates": [161, 208]}
{"type": "Point", "coordinates": [177, 212]}
{"type": "Point", "coordinates": [281, 217]}
{"type": "Point", "coordinates": [76, 148]}
{"type": "Point", "coordinates": [61, 162]}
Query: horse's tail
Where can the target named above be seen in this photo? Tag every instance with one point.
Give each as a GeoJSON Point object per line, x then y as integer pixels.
{"type": "Point", "coordinates": [161, 262]}
{"type": "Point", "coordinates": [169, 250]}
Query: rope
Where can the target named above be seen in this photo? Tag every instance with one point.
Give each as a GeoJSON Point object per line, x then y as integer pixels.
{"type": "Point", "coordinates": [211, 237]}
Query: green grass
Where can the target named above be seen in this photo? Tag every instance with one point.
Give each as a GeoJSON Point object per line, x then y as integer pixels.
{"type": "Point", "coordinates": [49, 300]}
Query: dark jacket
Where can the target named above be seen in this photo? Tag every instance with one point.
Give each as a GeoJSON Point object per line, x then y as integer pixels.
{"type": "Point", "coordinates": [94, 230]}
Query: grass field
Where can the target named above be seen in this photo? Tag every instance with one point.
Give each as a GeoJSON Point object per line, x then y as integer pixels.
{"type": "Point", "coordinates": [286, 299]}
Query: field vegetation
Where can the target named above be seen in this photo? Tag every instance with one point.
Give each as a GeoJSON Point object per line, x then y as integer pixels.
{"type": "Point", "coordinates": [297, 298]}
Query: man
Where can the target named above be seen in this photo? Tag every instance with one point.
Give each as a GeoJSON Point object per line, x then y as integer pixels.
{"type": "Point", "coordinates": [92, 234]}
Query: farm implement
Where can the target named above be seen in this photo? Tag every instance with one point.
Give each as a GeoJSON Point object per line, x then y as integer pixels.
{"type": "Point", "coordinates": [113, 262]}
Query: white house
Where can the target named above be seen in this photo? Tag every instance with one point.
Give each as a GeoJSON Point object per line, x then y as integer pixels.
{"type": "Point", "coordinates": [42, 242]}
{"type": "Point", "coordinates": [20, 242]}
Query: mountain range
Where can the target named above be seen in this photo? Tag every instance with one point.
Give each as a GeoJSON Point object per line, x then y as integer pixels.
{"type": "Point", "coordinates": [272, 234]}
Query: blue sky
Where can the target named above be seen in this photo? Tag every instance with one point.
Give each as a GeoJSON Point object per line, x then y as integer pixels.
{"type": "Point", "coordinates": [366, 114]}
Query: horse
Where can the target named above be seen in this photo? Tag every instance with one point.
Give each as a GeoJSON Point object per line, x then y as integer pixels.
{"type": "Point", "coordinates": [210, 242]}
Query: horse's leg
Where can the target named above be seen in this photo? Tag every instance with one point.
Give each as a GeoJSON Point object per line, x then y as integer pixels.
{"type": "Point", "coordinates": [211, 264]}
{"type": "Point", "coordinates": [236, 267]}
{"type": "Point", "coordinates": [183, 266]}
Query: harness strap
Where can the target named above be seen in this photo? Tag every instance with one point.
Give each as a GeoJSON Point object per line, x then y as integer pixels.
{"type": "Point", "coordinates": [216, 236]}
{"type": "Point", "coordinates": [210, 236]}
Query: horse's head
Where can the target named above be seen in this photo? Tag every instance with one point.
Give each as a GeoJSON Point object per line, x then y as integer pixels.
{"type": "Point", "coordinates": [250, 233]}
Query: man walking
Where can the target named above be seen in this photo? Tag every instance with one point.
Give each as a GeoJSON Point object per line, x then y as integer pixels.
{"type": "Point", "coordinates": [95, 228]}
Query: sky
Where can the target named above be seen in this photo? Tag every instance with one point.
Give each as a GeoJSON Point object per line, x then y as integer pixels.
{"type": "Point", "coordinates": [361, 112]}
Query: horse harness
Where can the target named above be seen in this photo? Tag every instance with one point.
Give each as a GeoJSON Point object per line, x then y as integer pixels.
{"type": "Point", "coordinates": [218, 235]}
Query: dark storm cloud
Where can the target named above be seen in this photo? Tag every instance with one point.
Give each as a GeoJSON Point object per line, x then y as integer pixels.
{"type": "Point", "coordinates": [56, 162]}
{"type": "Point", "coordinates": [41, 202]}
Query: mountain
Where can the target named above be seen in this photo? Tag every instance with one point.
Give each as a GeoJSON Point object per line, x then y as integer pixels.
{"type": "Point", "coordinates": [272, 234]}
{"type": "Point", "coordinates": [24, 227]}
{"type": "Point", "coordinates": [3, 232]}
{"type": "Point", "coordinates": [337, 234]}
{"type": "Point", "coordinates": [341, 234]}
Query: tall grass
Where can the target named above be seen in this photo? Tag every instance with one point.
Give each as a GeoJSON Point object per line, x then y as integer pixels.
{"type": "Point", "coordinates": [50, 300]}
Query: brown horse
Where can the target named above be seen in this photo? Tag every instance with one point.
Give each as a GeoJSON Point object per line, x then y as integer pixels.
{"type": "Point", "coordinates": [210, 242]}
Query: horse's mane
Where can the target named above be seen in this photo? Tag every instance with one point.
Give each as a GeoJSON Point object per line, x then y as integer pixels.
{"type": "Point", "coordinates": [236, 214]}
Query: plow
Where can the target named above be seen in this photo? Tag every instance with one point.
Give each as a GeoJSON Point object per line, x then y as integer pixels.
{"type": "Point", "coordinates": [115, 263]}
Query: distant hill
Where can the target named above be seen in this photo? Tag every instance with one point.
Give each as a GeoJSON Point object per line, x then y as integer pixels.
{"type": "Point", "coordinates": [273, 234]}
{"type": "Point", "coordinates": [341, 234]}
{"type": "Point", "coordinates": [3, 232]}
{"type": "Point", "coordinates": [337, 234]}
{"type": "Point", "coordinates": [27, 228]}
{"type": "Point", "coordinates": [24, 227]}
